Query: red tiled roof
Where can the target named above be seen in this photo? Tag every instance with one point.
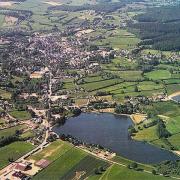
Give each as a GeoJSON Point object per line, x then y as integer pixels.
{"type": "Point", "coordinates": [21, 167]}
{"type": "Point", "coordinates": [43, 163]}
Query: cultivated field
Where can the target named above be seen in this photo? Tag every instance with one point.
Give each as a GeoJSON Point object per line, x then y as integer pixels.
{"type": "Point", "coordinates": [13, 151]}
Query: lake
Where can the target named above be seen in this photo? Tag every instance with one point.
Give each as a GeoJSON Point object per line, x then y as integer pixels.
{"type": "Point", "coordinates": [111, 131]}
{"type": "Point", "coordinates": [176, 98]}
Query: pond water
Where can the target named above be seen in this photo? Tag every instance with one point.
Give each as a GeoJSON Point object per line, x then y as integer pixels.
{"type": "Point", "coordinates": [111, 131]}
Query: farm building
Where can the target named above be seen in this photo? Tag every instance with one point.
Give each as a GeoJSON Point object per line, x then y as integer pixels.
{"type": "Point", "coordinates": [42, 163]}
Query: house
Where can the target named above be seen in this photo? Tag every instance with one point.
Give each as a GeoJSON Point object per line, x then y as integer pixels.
{"type": "Point", "coordinates": [43, 163]}
{"type": "Point", "coordinates": [23, 166]}
{"type": "Point", "coordinates": [20, 175]}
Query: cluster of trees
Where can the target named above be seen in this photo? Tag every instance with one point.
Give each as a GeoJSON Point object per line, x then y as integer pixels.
{"type": "Point", "coordinates": [132, 130]}
{"type": "Point", "coordinates": [102, 105]}
{"type": "Point", "coordinates": [21, 104]}
{"type": "Point", "coordinates": [9, 139]}
{"type": "Point", "coordinates": [148, 65]}
{"type": "Point", "coordinates": [168, 168]}
{"type": "Point", "coordinates": [102, 93]}
{"type": "Point", "coordinates": [108, 75]}
{"type": "Point", "coordinates": [57, 87]}
{"type": "Point", "coordinates": [162, 132]}
{"type": "Point", "coordinates": [126, 108]}
{"type": "Point", "coordinates": [60, 121]}
{"type": "Point", "coordinates": [100, 170]}
{"type": "Point", "coordinates": [150, 124]}
{"type": "Point", "coordinates": [75, 141]}
{"type": "Point", "coordinates": [134, 166]}
{"type": "Point", "coordinates": [31, 86]}
{"type": "Point", "coordinates": [76, 111]}
{"type": "Point", "coordinates": [57, 110]}
{"type": "Point", "coordinates": [159, 28]}
{"type": "Point", "coordinates": [52, 137]}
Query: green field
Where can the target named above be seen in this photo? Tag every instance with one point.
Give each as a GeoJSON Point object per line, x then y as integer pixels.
{"type": "Point", "coordinates": [68, 84]}
{"type": "Point", "coordinates": [175, 140]}
{"type": "Point", "coordinates": [118, 172]}
{"type": "Point", "coordinates": [158, 75]}
{"type": "Point", "coordinates": [149, 85]}
{"type": "Point", "coordinates": [20, 115]}
{"type": "Point", "coordinates": [28, 134]}
{"type": "Point", "coordinates": [173, 124]}
{"type": "Point", "coordinates": [119, 39]}
{"type": "Point", "coordinates": [62, 165]}
{"type": "Point", "coordinates": [100, 84]}
{"type": "Point", "coordinates": [172, 81]}
{"type": "Point", "coordinates": [147, 134]}
{"type": "Point", "coordinates": [90, 79]}
{"type": "Point", "coordinates": [53, 151]}
{"type": "Point", "coordinates": [128, 75]}
{"type": "Point", "coordinates": [170, 114]}
{"type": "Point", "coordinates": [68, 162]}
{"type": "Point", "coordinates": [87, 167]}
{"type": "Point", "coordinates": [14, 151]}
{"type": "Point", "coordinates": [121, 86]}
{"type": "Point", "coordinates": [168, 108]}
{"type": "Point", "coordinates": [126, 162]}
{"type": "Point", "coordinates": [11, 131]}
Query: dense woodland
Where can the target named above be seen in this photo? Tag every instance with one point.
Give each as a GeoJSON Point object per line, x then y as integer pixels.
{"type": "Point", "coordinates": [159, 28]}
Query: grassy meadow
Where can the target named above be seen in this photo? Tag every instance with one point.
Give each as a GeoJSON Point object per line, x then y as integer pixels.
{"type": "Point", "coordinates": [20, 115]}
{"type": "Point", "coordinates": [11, 131]}
{"type": "Point", "coordinates": [14, 151]}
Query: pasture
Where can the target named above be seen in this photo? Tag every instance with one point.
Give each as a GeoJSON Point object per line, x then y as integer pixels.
{"type": "Point", "coordinates": [149, 85]}
{"type": "Point", "coordinates": [119, 39]}
{"type": "Point", "coordinates": [62, 165]}
{"type": "Point", "coordinates": [11, 131]}
{"type": "Point", "coordinates": [147, 134]}
{"type": "Point", "coordinates": [119, 172]}
{"type": "Point", "coordinates": [158, 75]}
{"type": "Point", "coordinates": [13, 151]}
{"type": "Point", "coordinates": [93, 86]}
{"type": "Point", "coordinates": [86, 167]}
{"type": "Point", "coordinates": [53, 151]}
{"type": "Point", "coordinates": [128, 75]}
{"type": "Point", "coordinates": [20, 115]}
{"type": "Point", "coordinates": [175, 140]}
{"type": "Point", "coordinates": [173, 124]}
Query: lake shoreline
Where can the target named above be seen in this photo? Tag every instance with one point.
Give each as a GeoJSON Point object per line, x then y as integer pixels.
{"type": "Point", "coordinates": [91, 128]}
{"type": "Point", "coordinates": [131, 116]}
{"type": "Point", "coordinates": [174, 96]}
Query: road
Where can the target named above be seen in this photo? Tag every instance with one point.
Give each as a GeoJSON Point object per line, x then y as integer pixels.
{"type": "Point", "coordinates": [8, 169]}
